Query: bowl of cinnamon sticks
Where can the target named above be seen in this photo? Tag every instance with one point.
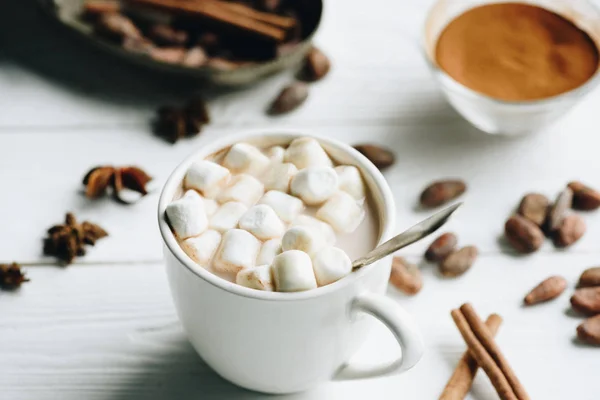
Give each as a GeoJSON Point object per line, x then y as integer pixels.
{"type": "Point", "coordinates": [227, 42]}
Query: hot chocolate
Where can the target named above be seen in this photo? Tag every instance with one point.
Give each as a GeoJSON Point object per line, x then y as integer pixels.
{"type": "Point", "coordinates": [274, 218]}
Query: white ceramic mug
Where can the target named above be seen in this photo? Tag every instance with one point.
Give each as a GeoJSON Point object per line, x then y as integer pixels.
{"type": "Point", "coordinates": [288, 342]}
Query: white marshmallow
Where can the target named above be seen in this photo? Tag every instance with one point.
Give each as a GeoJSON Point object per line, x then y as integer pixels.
{"type": "Point", "coordinates": [276, 154]}
{"type": "Point", "coordinates": [285, 206]}
{"type": "Point", "coordinates": [293, 272]}
{"type": "Point", "coordinates": [244, 188]}
{"type": "Point", "coordinates": [261, 221]}
{"type": "Point", "coordinates": [210, 206]}
{"type": "Point", "coordinates": [315, 185]}
{"type": "Point", "coordinates": [342, 212]}
{"type": "Point", "coordinates": [186, 216]}
{"type": "Point", "coordinates": [350, 181]}
{"type": "Point", "coordinates": [243, 158]}
{"type": "Point", "coordinates": [323, 227]}
{"type": "Point", "coordinates": [331, 264]}
{"type": "Point", "coordinates": [227, 216]}
{"type": "Point", "coordinates": [202, 248]}
{"type": "Point", "coordinates": [268, 251]}
{"type": "Point", "coordinates": [259, 278]}
{"type": "Point", "coordinates": [278, 176]}
{"type": "Point", "coordinates": [238, 250]}
{"type": "Point", "coordinates": [307, 152]}
{"type": "Point", "coordinates": [206, 177]}
{"type": "Point", "coordinates": [303, 238]}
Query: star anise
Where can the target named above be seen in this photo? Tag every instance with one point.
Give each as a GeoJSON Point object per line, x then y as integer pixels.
{"type": "Point", "coordinates": [67, 241]}
{"type": "Point", "coordinates": [98, 179]}
{"type": "Point", "coordinates": [174, 123]}
{"type": "Point", "coordinates": [11, 276]}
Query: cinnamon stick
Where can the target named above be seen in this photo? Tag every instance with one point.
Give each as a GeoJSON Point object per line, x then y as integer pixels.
{"type": "Point", "coordinates": [486, 339]}
{"type": "Point", "coordinates": [215, 11]}
{"type": "Point", "coordinates": [273, 19]}
{"type": "Point", "coordinates": [461, 380]}
{"type": "Point", "coordinates": [485, 361]}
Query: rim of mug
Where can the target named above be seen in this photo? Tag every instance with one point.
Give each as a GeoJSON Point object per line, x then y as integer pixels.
{"type": "Point", "coordinates": [454, 85]}
{"type": "Point", "coordinates": [386, 213]}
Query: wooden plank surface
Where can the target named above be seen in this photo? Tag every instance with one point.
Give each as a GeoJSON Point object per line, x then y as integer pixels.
{"type": "Point", "coordinates": [110, 332]}
{"type": "Point", "coordinates": [106, 328]}
{"type": "Point", "coordinates": [498, 171]}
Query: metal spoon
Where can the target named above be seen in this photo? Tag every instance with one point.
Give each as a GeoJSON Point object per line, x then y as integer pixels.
{"type": "Point", "coordinates": [409, 236]}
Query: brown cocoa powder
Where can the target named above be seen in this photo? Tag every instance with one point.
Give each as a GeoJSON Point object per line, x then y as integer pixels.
{"type": "Point", "coordinates": [516, 52]}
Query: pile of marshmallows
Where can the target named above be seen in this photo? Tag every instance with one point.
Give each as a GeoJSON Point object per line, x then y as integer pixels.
{"type": "Point", "coordinates": [227, 222]}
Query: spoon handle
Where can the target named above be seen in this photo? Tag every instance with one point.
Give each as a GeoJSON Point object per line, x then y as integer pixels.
{"type": "Point", "coordinates": [411, 235]}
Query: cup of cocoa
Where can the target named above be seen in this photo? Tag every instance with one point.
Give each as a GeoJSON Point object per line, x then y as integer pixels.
{"type": "Point", "coordinates": [259, 232]}
{"type": "Point", "coordinates": [513, 67]}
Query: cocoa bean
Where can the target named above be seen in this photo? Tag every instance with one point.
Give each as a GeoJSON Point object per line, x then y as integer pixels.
{"type": "Point", "coordinates": [534, 207]}
{"type": "Point", "coordinates": [166, 35]}
{"type": "Point", "coordinates": [458, 262]}
{"type": "Point", "coordinates": [559, 210]}
{"type": "Point", "coordinates": [115, 26]}
{"type": "Point", "coordinates": [586, 300]}
{"type": "Point", "coordinates": [571, 230]}
{"type": "Point", "coordinates": [548, 289]}
{"type": "Point", "coordinates": [584, 197]}
{"type": "Point", "coordinates": [316, 65]}
{"type": "Point", "coordinates": [406, 276]}
{"type": "Point", "coordinates": [380, 156]}
{"type": "Point", "coordinates": [194, 57]}
{"type": "Point", "coordinates": [590, 277]}
{"type": "Point", "coordinates": [290, 98]}
{"type": "Point", "coordinates": [523, 235]}
{"type": "Point", "coordinates": [589, 331]}
{"type": "Point", "coordinates": [170, 55]}
{"type": "Point", "coordinates": [441, 247]}
{"type": "Point", "coordinates": [440, 192]}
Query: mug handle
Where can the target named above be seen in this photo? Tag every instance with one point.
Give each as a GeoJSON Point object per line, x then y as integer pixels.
{"type": "Point", "coordinates": [402, 325]}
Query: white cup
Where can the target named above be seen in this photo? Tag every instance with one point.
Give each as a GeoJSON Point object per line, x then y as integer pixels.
{"type": "Point", "coordinates": [288, 342]}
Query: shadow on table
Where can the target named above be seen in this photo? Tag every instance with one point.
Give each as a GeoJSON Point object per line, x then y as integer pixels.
{"type": "Point", "coordinates": [174, 370]}
{"type": "Point", "coordinates": [31, 40]}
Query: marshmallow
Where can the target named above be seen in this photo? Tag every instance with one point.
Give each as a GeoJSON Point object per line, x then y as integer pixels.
{"type": "Point", "coordinates": [323, 227]}
{"type": "Point", "coordinates": [210, 206]}
{"type": "Point", "coordinates": [202, 248]}
{"type": "Point", "coordinates": [227, 216]}
{"type": "Point", "coordinates": [304, 238]}
{"type": "Point", "coordinates": [278, 176]}
{"type": "Point", "coordinates": [285, 206]}
{"type": "Point", "coordinates": [268, 251]}
{"type": "Point", "coordinates": [186, 216]}
{"type": "Point", "coordinates": [238, 250]}
{"type": "Point", "coordinates": [331, 264]}
{"type": "Point", "coordinates": [276, 154]}
{"type": "Point", "coordinates": [342, 212]}
{"type": "Point", "coordinates": [259, 278]}
{"type": "Point", "coordinates": [307, 152]}
{"type": "Point", "coordinates": [261, 221]}
{"type": "Point", "coordinates": [244, 189]}
{"type": "Point", "coordinates": [247, 159]}
{"type": "Point", "coordinates": [206, 177]}
{"type": "Point", "coordinates": [315, 185]}
{"type": "Point", "coordinates": [293, 272]}
{"type": "Point", "coordinates": [350, 181]}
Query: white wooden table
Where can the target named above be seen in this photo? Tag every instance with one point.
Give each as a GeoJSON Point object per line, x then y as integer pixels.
{"type": "Point", "coordinates": [105, 327]}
